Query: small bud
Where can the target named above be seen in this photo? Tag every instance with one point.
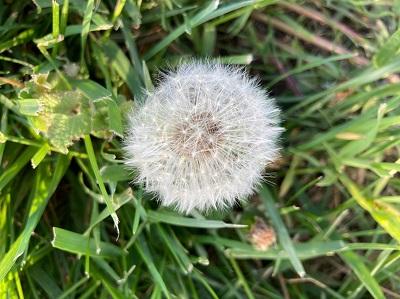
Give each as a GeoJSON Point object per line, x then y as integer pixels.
{"type": "Point", "coordinates": [261, 236]}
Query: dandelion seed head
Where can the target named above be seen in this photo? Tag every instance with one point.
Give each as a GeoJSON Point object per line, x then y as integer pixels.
{"type": "Point", "coordinates": [203, 138]}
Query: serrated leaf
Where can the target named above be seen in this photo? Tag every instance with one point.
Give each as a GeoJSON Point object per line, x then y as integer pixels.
{"type": "Point", "coordinates": [29, 106]}
{"type": "Point", "coordinates": [65, 116]}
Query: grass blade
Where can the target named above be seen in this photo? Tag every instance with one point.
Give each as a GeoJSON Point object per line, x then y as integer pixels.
{"type": "Point", "coordinates": [99, 179]}
{"type": "Point", "coordinates": [388, 51]}
{"type": "Point", "coordinates": [87, 18]}
{"type": "Point", "coordinates": [174, 219]}
{"type": "Point", "coordinates": [283, 235]}
{"type": "Point", "coordinates": [45, 187]}
{"type": "Point", "coordinates": [144, 252]}
{"type": "Point", "coordinates": [76, 243]}
{"type": "Point", "coordinates": [362, 272]}
{"type": "Point", "coordinates": [16, 166]}
{"type": "Point", "coordinates": [385, 214]}
{"type": "Point", "coordinates": [196, 20]}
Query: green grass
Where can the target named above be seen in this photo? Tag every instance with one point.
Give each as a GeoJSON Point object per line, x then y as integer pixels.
{"type": "Point", "coordinates": [71, 224]}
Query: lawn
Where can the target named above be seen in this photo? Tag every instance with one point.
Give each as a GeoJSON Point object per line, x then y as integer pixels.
{"type": "Point", "coordinates": [324, 224]}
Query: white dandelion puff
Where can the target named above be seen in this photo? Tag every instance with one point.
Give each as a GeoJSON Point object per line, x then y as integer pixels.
{"type": "Point", "coordinates": [203, 138]}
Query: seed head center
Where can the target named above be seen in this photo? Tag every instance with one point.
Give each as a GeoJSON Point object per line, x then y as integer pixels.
{"type": "Point", "coordinates": [197, 135]}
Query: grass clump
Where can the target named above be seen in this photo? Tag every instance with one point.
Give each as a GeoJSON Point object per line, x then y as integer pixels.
{"type": "Point", "coordinates": [69, 71]}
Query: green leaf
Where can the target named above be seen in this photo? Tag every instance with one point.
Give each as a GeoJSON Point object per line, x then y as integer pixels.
{"type": "Point", "coordinates": [176, 249]}
{"type": "Point", "coordinates": [64, 116]}
{"type": "Point", "coordinates": [208, 40]}
{"type": "Point", "coordinates": [92, 90]}
{"type": "Point", "coordinates": [77, 29]}
{"type": "Point", "coordinates": [29, 106]}
{"type": "Point", "coordinates": [118, 201]}
{"type": "Point", "coordinates": [21, 38]}
{"type": "Point", "coordinates": [114, 118]}
{"type": "Point", "coordinates": [283, 235]}
{"type": "Point", "coordinates": [80, 244]}
{"type": "Point", "coordinates": [388, 51]}
{"type": "Point", "coordinates": [309, 250]}
{"type": "Point", "coordinates": [385, 214]}
{"type": "Point", "coordinates": [74, 287]}
{"type": "Point", "coordinates": [115, 173]}
{"type": "Point", "coordinates": [56, 19]}
{"type": "Point", "coordinates": [356, 147]}
{"type": "Point", "coordinates": [40, 155]}
{"type": "Point", "coordinates": [195, 20]}
{"type": "Point", "coordinates": [99, 179]}
{"type": "Point", "coordinates": [16, 166]}
{"type": "Point", "coordinates": [146, 78]}
{"type": "Point", "coordinates": [86, 27]}
{"type": "Point", "coordinates": [174, 219]}
{"type": "Point", "coordinates": [45, 185]}
{"type": "Point", "coordinates": [237, 59]}
{"type": "Point", "coordinates": [144, 252]}
{"type": "Point", "coordinates": [45, 281]}
{"type": "Point", "coordinates": [362, 272]}
{"type": "Point", "coordinates": [120, 63]}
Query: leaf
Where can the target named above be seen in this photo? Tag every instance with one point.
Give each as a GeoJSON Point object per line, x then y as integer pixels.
{"type": "Point", "coordinates": [209, 12]}
{"type": "Point", "coordinates": [40, 155]}
{"type": "Point", "coordinates": [99, 179]}
{"type": "Point", "coordinates": [194, 21]}
{"type": "Point", "coordinates": [385, 214]}
{"type": "Point", "coordinates": [80, 244]}
{"type": "Point", "coordinates": [96, 93]}
{"type": "Point", "coordinates": [29, 107]}
{"type": "Point", "coordinates": [388, 51]}
{"type": "Point", "coordinates": [45, 185]}
{"type": "Point", "coordinates": [118, 60]}
{"type": "Point", "coordinates": [21, 38]}
{"type": "Point", "coordinates": [144, 252]}
{"type": "Point", "coordinates": [45, 281]}
{"type": "Point", "coordinates": [283, 235]}
{"type": "Point", "coordinates": [16, 166]}
{"type": "Point", "coordinates": [115, 173]}
{"type": "Point", "coordinates": [86, 27]}
{"type": "Point", "coordinates": [174, 219]}
{"type": "Point", "coordinates": [65, 116]}
{"type": "Point", "coordinates": [133, 11]}
{"type": "Point", "coordinates": [176, 249]}
{"type": "Point", "coordinates": [114, 118]}
{"type": "Point", "coordinates": [362, 272]}
{"type": "Point", "coordinates": [308, 250]}
{"type": "Point", "coordinates": [92, 90]}
{"type": "Point", "coordinates": [237, 59]}
{"type": "Point", "coordinates": [118, 201]}
{"type": "Point", "coordinates": [356, 147]}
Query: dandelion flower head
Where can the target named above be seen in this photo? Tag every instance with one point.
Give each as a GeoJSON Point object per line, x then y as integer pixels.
{"type": "Point", "coordinates": [203, 137]}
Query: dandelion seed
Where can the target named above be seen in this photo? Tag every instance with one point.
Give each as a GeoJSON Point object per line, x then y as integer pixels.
{"type": "Point", "coordinates": [203, 138]}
